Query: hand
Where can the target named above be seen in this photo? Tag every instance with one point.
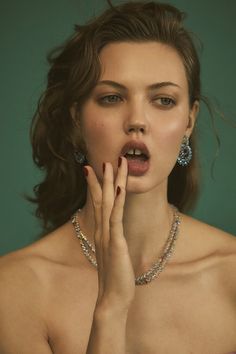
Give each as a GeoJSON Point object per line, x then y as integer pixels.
{"type": "Point", "coordinates": [115, 272]}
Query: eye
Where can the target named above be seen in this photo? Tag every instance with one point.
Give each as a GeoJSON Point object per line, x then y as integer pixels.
{"type": "Point", "coordinates": [109, 99]}
{"type": "Point", "coordinates": [165, 101]}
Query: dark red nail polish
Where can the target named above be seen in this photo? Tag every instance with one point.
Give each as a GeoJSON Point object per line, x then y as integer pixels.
{"type": "Point", "coordinates": [85, 171]}
{"type": "Point", "coordinates": [103, 167]}
{"type": "Point", "coordinates": [118, 191]}
{"type": "Point", "coordinates": [119, 161]}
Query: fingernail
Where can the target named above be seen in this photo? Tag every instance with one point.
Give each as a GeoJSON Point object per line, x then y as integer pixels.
{"type": "Point", "coordinates": [119, 161]}
{"type": "Point", "coordinates": [103, 167]}
{"type": "Point", "coordinates": [85, 171]}
{"type": "Point", "coordinates": [118, 191]}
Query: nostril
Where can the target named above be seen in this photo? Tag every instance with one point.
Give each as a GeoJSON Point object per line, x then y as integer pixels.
{"type": "Point", "coordinates": [135, 129]}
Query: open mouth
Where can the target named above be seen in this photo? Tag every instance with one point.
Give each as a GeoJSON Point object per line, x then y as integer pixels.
{"type": "Point", "coordinates": [141, 157]}
{"type": "Point", "coordinates": [137, 154]}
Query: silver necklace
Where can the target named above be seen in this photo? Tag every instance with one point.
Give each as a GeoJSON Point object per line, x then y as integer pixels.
{"type": "Point", "coordinates": [145, 278]}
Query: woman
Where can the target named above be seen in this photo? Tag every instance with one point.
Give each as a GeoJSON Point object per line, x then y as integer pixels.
{"type": "Point", "coordinates": [123, 270]}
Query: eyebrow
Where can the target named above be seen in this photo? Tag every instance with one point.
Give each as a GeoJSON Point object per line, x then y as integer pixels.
{"type": "Point", "coordinates": [151, 87]}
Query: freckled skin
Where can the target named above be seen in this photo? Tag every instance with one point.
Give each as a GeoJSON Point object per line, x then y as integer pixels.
{"type": "Point", "coordinates": [105, 127]}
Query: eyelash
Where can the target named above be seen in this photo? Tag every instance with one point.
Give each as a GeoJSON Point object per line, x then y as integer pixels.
{"type": "Point", "coordinates": [102, 99]}
{"type": "Point", "coordinates": [171, 101]}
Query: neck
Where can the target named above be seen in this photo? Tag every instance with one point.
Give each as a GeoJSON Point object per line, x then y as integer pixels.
{"type": "Point", "coordinates": [147, 220]}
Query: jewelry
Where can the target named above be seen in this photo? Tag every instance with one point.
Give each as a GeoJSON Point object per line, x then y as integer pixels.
{"type": "Point", "coordinates": [156, 269]}
{"type": "Point", "coordinates": [80, 158]}
{"type": "Point", "coordinates": [185, 153]}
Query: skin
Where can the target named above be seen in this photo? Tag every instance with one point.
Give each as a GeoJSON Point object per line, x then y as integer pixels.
{"type": "Point", "coordinates": [191, 307]}
{"type": "Point", "coordinates": [108, 126]}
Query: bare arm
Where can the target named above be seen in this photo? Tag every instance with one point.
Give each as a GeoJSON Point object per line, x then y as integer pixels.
{"type": "Point", "coordinates": [115, 272]}
{"type": "Point", "coordinates": [22, 329]}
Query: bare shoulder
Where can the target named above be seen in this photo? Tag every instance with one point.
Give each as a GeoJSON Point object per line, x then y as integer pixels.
{"type": "Point", "coordinates": [22, 305]}
{"type": "Point", "coordinates": [27, 284]}
{"type": "Point", "coordinates": [37, 259]}
{"type": "Point", "coordinates": [208, 238]}
{"type": "Point", "coordinates": [24, 272]}
{"type": "Point", "coordinates": [213, 247]}
{"type": "Point", "coordinates": [34, 268]}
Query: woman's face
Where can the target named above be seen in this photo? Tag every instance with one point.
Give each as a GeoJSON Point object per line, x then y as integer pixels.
{"type": "Point", "coordinates": [130, 100]}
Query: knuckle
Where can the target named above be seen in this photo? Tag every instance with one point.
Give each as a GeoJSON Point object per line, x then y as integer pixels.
{"type": "Point", "coordinates": [97, 203]}
{"type": "Point", "coordinates": [114, 220]}
{"type": "Point", "coordinates": [122, 188]}
{"type": "Point", "coordinates": [105, 231]}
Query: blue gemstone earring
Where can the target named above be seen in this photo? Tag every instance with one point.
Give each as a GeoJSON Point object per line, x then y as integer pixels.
{"type": "Point", "coordinates": [185, 153]}
{"type": "Point", "coordinates": [80, 158]}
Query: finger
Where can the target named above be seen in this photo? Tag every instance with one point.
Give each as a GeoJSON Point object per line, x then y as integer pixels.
{"type": "Point", "coordinates": [95, 191]}
{"type": "Point", "coordinates": [122, 174]}
{"type": "Point", "coordinates": [116, 219]}
{"type": "Point", "coordinates": [116, 222]}
{"type": "Point", "coordinates": [107, 201]}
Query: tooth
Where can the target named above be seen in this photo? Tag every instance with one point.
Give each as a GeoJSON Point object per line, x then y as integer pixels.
{"type": "Point", "coordinates": [138, 152]}
{"type": "Point", "coordinates": [131, 151]}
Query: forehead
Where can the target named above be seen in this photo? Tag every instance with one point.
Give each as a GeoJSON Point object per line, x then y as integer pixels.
{"type": "Point", "coordinates": [142, 63]}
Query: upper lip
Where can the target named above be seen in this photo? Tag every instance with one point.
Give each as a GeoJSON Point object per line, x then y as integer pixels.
{"type": "Point", "coordinates": [135, 145]}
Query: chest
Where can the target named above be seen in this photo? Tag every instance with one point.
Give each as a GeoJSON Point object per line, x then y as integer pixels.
{"type": "Point", "coordinates": [168, 316]}
{"type": "Point", "coordinates": [182, 321]}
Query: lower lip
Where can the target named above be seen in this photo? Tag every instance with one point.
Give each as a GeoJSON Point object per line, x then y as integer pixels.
{"type": "Point", "coordinates": [137, 167]}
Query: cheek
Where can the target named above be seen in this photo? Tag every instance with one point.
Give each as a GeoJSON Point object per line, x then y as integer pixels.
{"type": "Point", "coordinates": [93, 130]}
{"type": "Point", "coordinates": [98, 134]}
{"type": "Point", "coordinates": [92, 127]}
{"type": "Point", "coordinates": [169, 138]}
{"type": "Point", "coordinates": [95, 133]}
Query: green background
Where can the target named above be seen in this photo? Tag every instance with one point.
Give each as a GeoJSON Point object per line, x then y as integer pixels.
{"type": "Point", "coordinates": [29, 29]}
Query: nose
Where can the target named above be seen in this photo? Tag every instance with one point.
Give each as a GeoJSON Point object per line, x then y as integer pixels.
{"type": "Point", "coordinates": [136, 121]}
{"type": "Point", "coordinates": [136, 127]}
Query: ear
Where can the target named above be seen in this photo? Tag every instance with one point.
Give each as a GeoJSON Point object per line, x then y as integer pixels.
{"type": "Point", "coordinates": [74, 113]}
{"type": "Point", "coordinates": [192, 118]}
{"type": "Point", "coordinates": [77, 138]}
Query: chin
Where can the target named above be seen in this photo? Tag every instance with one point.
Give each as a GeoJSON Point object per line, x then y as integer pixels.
{"type": "Point", "coordinates": [139, 185]}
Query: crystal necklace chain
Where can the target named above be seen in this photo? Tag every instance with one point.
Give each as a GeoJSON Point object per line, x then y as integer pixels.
{"type": "Point", "coordinates": [145, 278]}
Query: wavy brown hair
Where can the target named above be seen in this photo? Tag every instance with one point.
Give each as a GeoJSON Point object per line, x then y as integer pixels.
{"type": "Point", "coordinates": [74, 72]}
